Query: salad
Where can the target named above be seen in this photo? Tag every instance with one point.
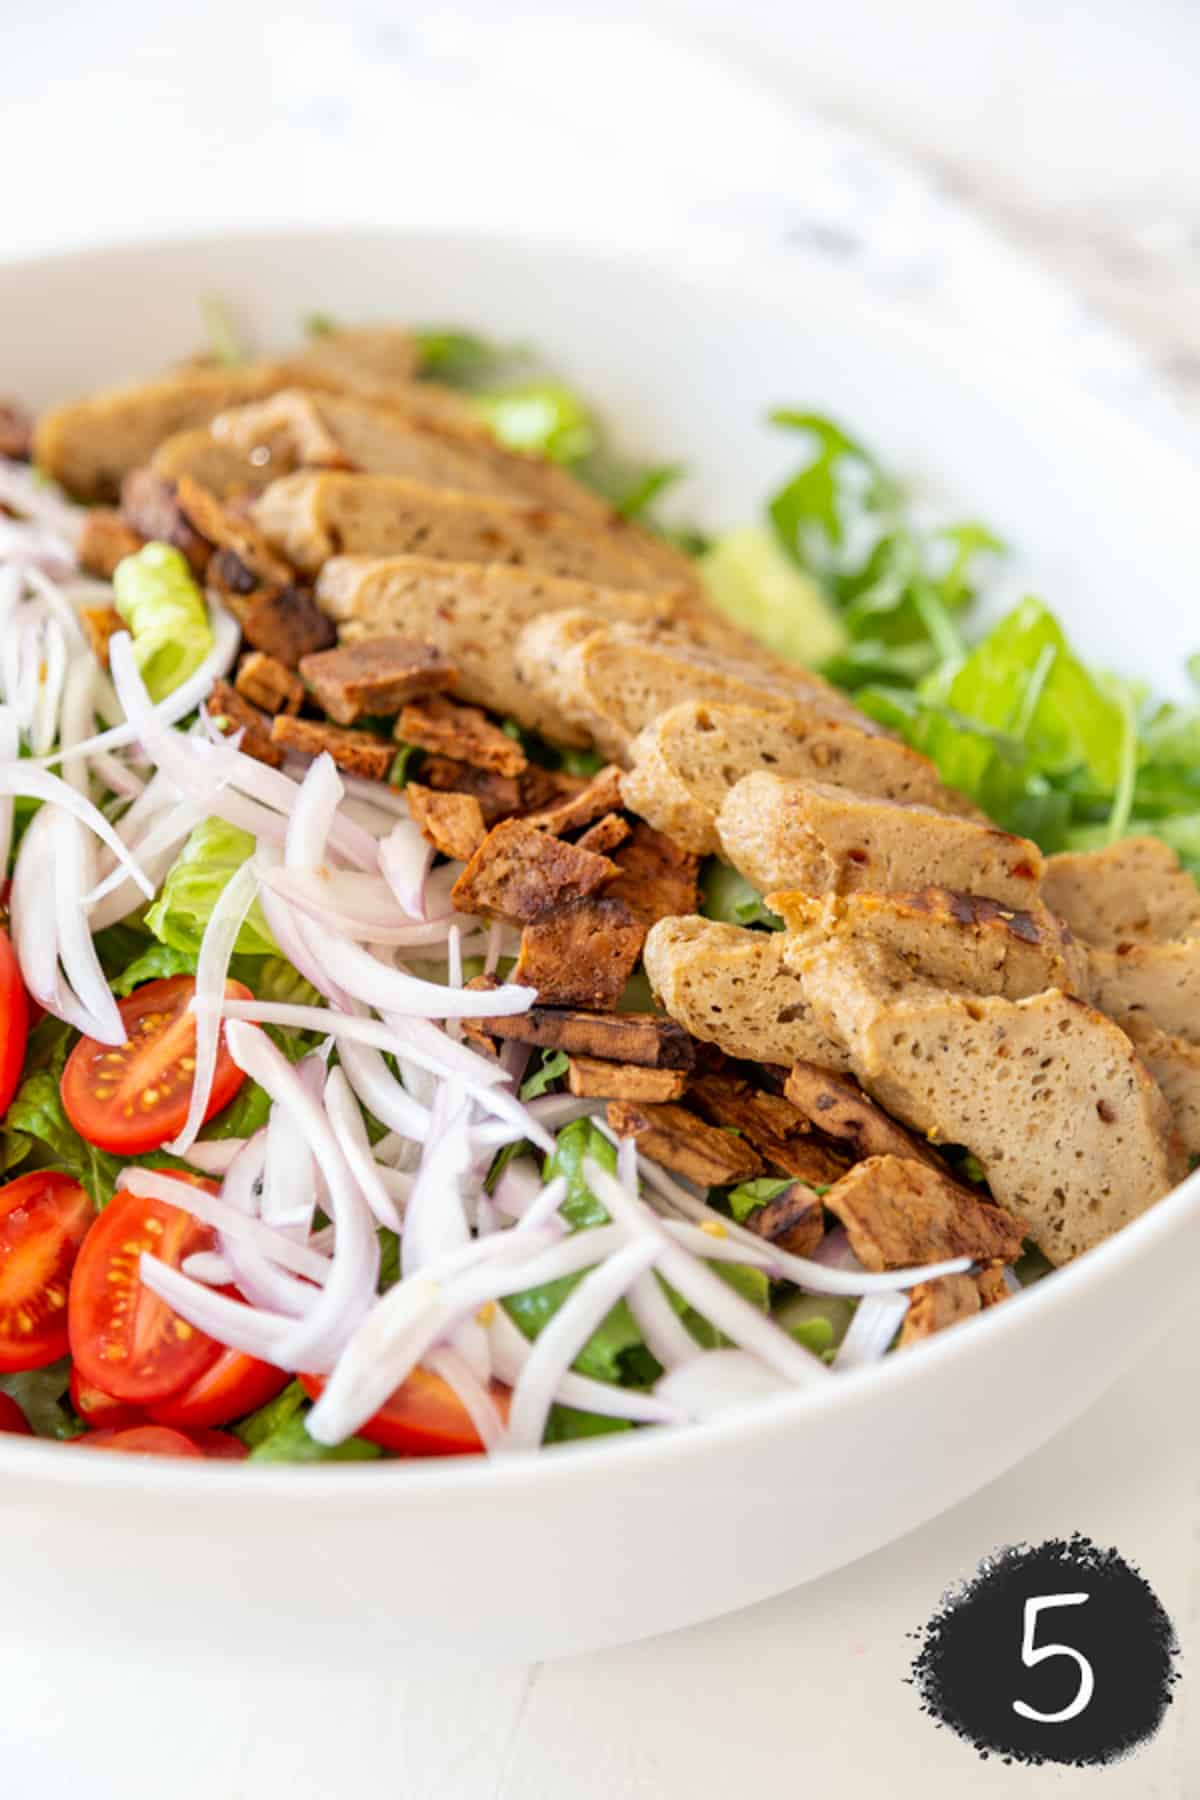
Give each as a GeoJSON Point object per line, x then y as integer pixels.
{"type": "Point", "coordinates": [484, 966]}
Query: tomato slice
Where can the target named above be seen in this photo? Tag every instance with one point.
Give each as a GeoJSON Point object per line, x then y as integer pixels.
{"type": "Point", "coordinates": [124, 1339]}
{"type": "Point", "coordinates": [14, 1022]}
{"type": "Point", "coordinates": [219, 1446]}
{"type": "Point", "coordinates": [12, 1418]}
{"type": "Point", "coordinates": [99, 1409]}
{"type": "Point", "coordinates": [135, 1097]}
{"type": "Point", "coordinates": [424, 1417]}
{"type": "Point", "coordinates": [44, 1219]}
{"type": "Point", "coordinates": [140, 1440]}
{"type": "Point", "coordinates": [235, 1385]}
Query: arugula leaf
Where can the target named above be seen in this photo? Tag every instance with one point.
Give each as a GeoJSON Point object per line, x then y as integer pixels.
{"type": "Point", "coordinates": [567, 1423]}
{"type": "Point", "coordinates": [460, 358]}
{"type": "Point", "coordinates": [553, 1065]}
{"type": "Point", "coordinates": [582, 762]}
{"type": "Point", "coordinates": [404, 765]}
{"type": "Point", "coordinates": [811, 512]}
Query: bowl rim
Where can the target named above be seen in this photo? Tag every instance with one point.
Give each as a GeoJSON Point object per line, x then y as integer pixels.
{"type": "Point", "coordinates": [981, 365]}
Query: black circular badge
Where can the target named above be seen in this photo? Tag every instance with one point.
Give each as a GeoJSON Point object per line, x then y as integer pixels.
{"type": "Point", "coordinates": [1056, 1653]}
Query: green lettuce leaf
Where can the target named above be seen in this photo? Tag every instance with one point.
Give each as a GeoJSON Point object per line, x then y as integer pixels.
{"type": "Point", "coordinates": [541, 416]}
{"type": "Point", "coordinates": [155, 594]}
{"type": "Point", "coordinates": [195, 881]}
{"type": "Point", "coordinates": [750, 1195]}
{"type": "Point", "coordinates": [276, 1433]}
{"type": "Point", "coordinates": [42, 1395]}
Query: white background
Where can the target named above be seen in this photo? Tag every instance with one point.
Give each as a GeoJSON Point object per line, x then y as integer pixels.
{"type": "Point", "coordinates": [1026, 170]}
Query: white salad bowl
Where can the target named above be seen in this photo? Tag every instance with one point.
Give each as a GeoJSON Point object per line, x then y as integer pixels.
{"type": "Point", "coordinates": [594, 1543]}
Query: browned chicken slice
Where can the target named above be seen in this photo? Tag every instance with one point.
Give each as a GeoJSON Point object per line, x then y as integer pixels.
{"type": "Point", "coordinates": [611, 680]}
{"type": "Point", "coordinates": [685, 762]}
{"type": "Point", "coordinates": [377, 677]}
{"type": "Point", "coordinates": [588, 1078]}
{"type": "Point", "coordinates": [453, 823]}
{"type": "Point", "coordinates": [899, 1214]}
{"type": "Point", "coordinates": [643, 1038]}
{"type": "Point", "coordinates": [676, 1138]}
{"type": "Point", "coordinates": [315, 514]}
{"type": "Point", "coordinates": [464, 733]}
{"type": "Point", "coordinates": [582, 951]}
{"type": "Point", "coordinates": [778, 1130]}
{"type": "Point", "coordinates": [358, 752]}
{"type": "Point", "coordinates": [474, 613]}
{"type": "Point", "coordinates": [1072, 1132]}
{"type": "Point", "coordinates": [519, 873]}
{"type": "Point", "coordinates": [786, 832]}
{"type": "Point", "coordinates": [948, 1300]}
{"type": "Point", "coordinates": [734, 988]}
{"type": "Point", "coordinates": [956, 940]}
{"type": "Point", "coordinates": [837, 1106]}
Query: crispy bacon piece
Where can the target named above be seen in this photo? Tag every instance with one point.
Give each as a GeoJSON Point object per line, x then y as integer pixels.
{"type": "Point", "coordinates": [520, 874]}
{"type": "Point", "coordinates": [898, 1212]}
{"type": "Point", "coordinates": [453, 823]}
{"type": "Point", "coordinates": [355, 751]}
{"type": "Point", "coordinates": [463, 732]}
{"type": "Point", "coordinates": [677, 1139]}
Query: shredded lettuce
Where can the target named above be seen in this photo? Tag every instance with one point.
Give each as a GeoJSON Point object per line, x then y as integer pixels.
{"type": "Point", "coordinates": [195, 881]}
{"type": "Point", "coordinates": [540, 416]}
{"type": "Point", "coordinates": [750, 1195]}
{"type": "Point", "coordinates": [42, 1395]}
{"type": "Point", "coordinates": [155, 594]}
{"type": "Point", "coordinates": [551, 1068]}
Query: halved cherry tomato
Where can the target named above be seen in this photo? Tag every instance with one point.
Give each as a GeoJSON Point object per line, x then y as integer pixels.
{"type": "Point", "coordinates": [219, 1446]}
{"type": "Point", "coordinates": [12, 1418]}
{"type": "Point", "coordinates": [44, 1219]}
{"type": "Point", "coordinates": [124, 1339]}
{"type": "Point", "coordinates": [424, 1417]}
{"type": "Point", "coordinates": [99, 1409]}
{"type": "Point", "coordinates": [235, 1385]}
{"type": "Point", "coordinates": [14, 1022]}
{"type": "Point", "coordinates": [135, 1097]}
{"type": "Point", "coordinates": [140, 1440]}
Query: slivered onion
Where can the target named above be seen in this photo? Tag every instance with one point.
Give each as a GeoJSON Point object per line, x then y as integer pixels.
{"type": "Point", "coordinates": [212, 968]}
{"type": "Point", "coordinates": [875, 1323]}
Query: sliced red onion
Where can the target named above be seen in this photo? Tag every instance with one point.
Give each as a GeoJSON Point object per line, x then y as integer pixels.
{"type": "Point", "coordinates": [168, 831]}
{"type": "Point", "coordinates": [349, 1292]}
{"type": "Point", "coordinates": [177, 705]}
{"type": "Point", "coordinates": [261, 1280]}
{"type": "Point", "coordinates": [518, 1188]}
{"type": "Point", "coordinates": [233, 787]}
{"type": "Point", "coordinates": [49, 676]}
{"type": "Point", "coordinates": [477, 1402]}
{"type": "Point", "coordinates": [230, 1220]}
{"type": "Point", "coordinates": [563, 1336]}
{"type": "Point", "coordinates": [209, 1267]}
{"type": "Point", "coordinates": [230, 1322]}
{"type": "Point", "coordinates": [875, 1323]}
{"type": "Point", "coordinates": [378, 794]}
{"type": "Point", "coordinates": [711, 1297]}
{"type": "Point", "coordinates": [54, 598]}
{"type": "Point", "coordinates": [9, 747]}
{"type": "Point", "coordinates": [212, 970]}
{"type": "Point", "coordinates": [380, 1092]}
{"type": "Point", "coordinates": [73, 871]}
{"type": "Point", "coordinates": [29, 494]}
{"type": "Point", "coordinates": [406, 857]}
{"type": "Point", "coordinates": [719, 1382]}
{"type": "Point", "coordinates": [514, 1060]}
{"type": "Point", "coordinates": [212, 1156]}
{"type": "Point", "coordinates": [834, 1252]}
{"type": "Point", "coordinates": [667, 1337]}
{"type": "Point", "coordinates": [421, 1042]}
{"type": "Point", "coordinates": [312, 816]}
{"type": "Point", "coordinates": [21, 777]}
{"type": "Point", "coordinates": [436, 1221]}
{"type": "Point", "coordinates": [396, 1183]}
{"type": "Point", "coordinates": [289, 1195]}
{"type": "Point", "coordinates": [281, 922]}
{"type": "Point", "coordinates": [390, 990]}
{"type": "Point", "coordinates": [115, 775]}
{"type": "Point", "coordinates": [77, 715]}
{"type": "Point", "coordinates": [351, 1134]}
{"type": "Point", "coordinates": [34, 924]}
{"type": "Point", "coordinates": [35, 547]}
{"type": "Point", "coordinates": [491, 955]}
{"type": "Point", "coordinates": [359, 906]}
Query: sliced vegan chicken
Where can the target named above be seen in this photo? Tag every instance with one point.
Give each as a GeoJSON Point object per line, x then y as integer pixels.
{"type": "Point", "coordinates": [315, 514]}
{"type": "Point", "coordinates": [1071, 1130]}
{"type": "Point", "coordinates": [684, 763]}
{"type": "Point", "coordinates": [788, 832]}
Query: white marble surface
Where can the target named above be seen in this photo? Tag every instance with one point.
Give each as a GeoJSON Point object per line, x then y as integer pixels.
{"type": "Point", "coordinates": [1029, 171]}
